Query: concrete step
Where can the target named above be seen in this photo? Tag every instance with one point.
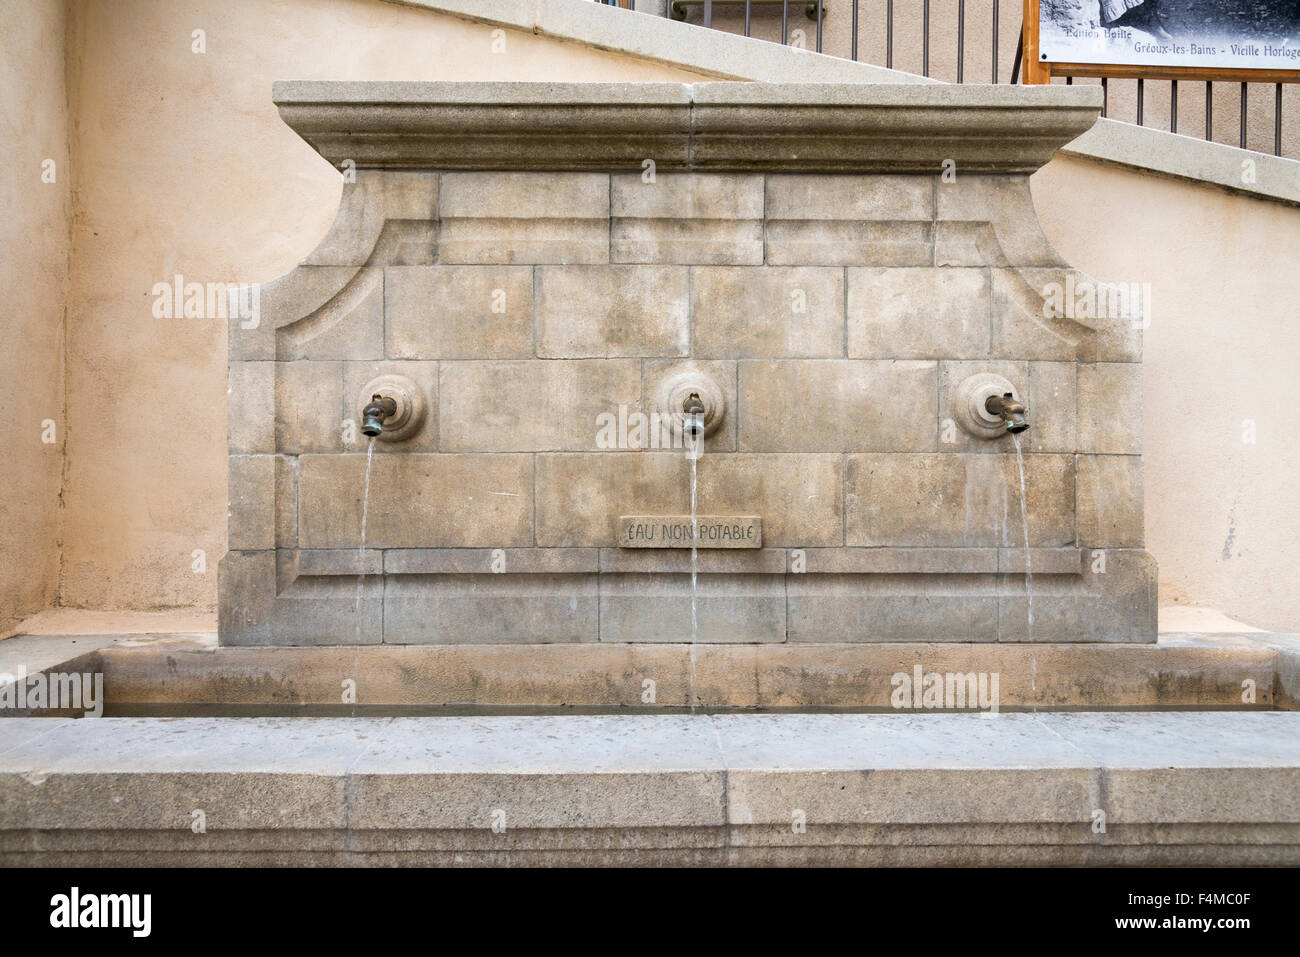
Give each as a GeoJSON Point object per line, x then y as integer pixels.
{"type": "Point", "coordinates": [1098, 788]}
{"type": "Point", "coordinates": [183, 674]}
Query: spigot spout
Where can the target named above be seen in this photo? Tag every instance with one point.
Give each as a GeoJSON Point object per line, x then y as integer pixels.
{"type": "Point", "coordinates": [693, 408]}
{"type": "Point", "coordinates": [379, 408]}
{"type": "Point", "coordinates": [1010, 410]}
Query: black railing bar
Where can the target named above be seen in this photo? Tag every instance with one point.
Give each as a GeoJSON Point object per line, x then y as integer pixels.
{"type": "Point", "coordinates": [1105, 95]}
{"type": "Point", "coordinates": [889, 35]}
{"type": "Point", "coordinates": [708, 13]}
{"type": "Point", "coordinates": [853, 49]}
{"type": "Point", "coordinates": [995, 41]}
{"type": "Point", "coordinates": [747, 11]}
{"type": "Point", "coordinates": [785, 22]}
{"type": "Point", "coordinates": [1209, 109]}
{"type": "Point", "coordinates": [1069, 81]}
{"type": "Point", "coordinates": [1173, 106]}
{"type": "Point", "coordinates": [1277, 121]}
{"type": "Point", "coordinates": [819, 26]}
{"type": "Point", "coordinates": [925, 39]}
{"type": "Point", "coordinates": [961, 37]}
{"type": "Point", "coordinates": [1243, 115]}
{"type": "Point", "coordinates": [1141, 91]}
{"type": "Point", "coordinates": [1020, 52]}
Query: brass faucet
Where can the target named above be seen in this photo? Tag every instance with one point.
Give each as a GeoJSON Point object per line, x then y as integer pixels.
{"type": "Point", "coordinates": [372, 416]}
{"type": "Point", "coordinates": [1009, 409]}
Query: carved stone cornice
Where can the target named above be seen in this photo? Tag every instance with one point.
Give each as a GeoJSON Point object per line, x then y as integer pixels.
{"type": "Point", "coordinates": [904, 128]}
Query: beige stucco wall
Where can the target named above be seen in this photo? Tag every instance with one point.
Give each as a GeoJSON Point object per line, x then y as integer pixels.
{"type": "Point", "coordinates": [33, 278]}
{"type": "Point", "coordinates": [183, 166]}
{"type": "Point", "coordinates": [1222, 513]}
{"type": "Point", "coordinates": [186, 168]}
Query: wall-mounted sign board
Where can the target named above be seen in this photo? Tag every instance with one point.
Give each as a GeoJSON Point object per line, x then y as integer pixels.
{"type": "Point", "coordinates": [1246, 40]}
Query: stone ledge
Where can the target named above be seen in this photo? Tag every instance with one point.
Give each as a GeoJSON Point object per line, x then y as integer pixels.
{"type": "Point", "coordinates": [1187, 158]}
{"type": "Point", "coordinates": [896, 128]}
{"type": "Point", "coordinates": [610, 676]}
{"type": "Point", "coordinates": [896, 789]}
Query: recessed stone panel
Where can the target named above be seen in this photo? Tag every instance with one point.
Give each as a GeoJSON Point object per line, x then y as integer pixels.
{"type": "Point", "coordinates": [615, 311]}
{"type": "Point", "coordinates": [416, 500]}
{"type": "Point", "coordinates": [524, 218]}
{"type": "Point", "coordinates": [699, 218]}
{"type": "Point", "coordinates": [458, 312]}
{"type": "Point", "coordinates": [831, 405]}
{"type": "Point", "coordinates": [1110, 500]}
{"type": "Point", "coordinates": [657, 607]}
{"type": "Point", "coordinates": [918, 313]}
{"type": "Point", "coordinates": [490, 609]}
{"type": "Point", "coordinates": [535, 405]}
{"type": "Point", "coordinates": [761, 312]}
{"type": "Point", "coordinates": [958, 499]}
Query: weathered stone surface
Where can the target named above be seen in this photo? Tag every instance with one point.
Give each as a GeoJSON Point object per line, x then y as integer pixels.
{"type": "Point", "coordinates": [957, 499]}
{"type": "Point", "coordinates": [490, 608]}
{"type": "Point", "coordinates": [337, 314]}
{"type": "Point", "coordinates": [657, 607]}
{"type": "Point", "coordinates": [498, 561]}
{"type": "Point", "coordinates": [382, 203]}
{"type": "Point", "coordinates": [1114, 601]}
{"type": "Point", "coordinates": [250, 407]}
{"type": "Point", "coordinates": [1182, 671]}
{"type": "Point", "coordinates": [641, 311]}
{"type": "Point", "coordinates": [524, 218]}
{"type": "Point", "coordinates": [762, 561]}
{"type": "Point", "coordinates": [918, 313]}
{"type": "Point", "coordinates": [1024, 327]}
{"type": "Point", "coordinates": [849, 220]}
{"type": "Point", "coordinates": [835, 608]}
{"type": "Point", "coordinates": [251, 514]}
{"type": "Point", "coordinates": [893, 561]}
{"type": "Point", "coordinates": [533, 405]}
{"type": "Point", "coordinates": [833, 405]}
{"type": "Point", "coordinates": [799, 497]}
{"type": "Point", "coordinates": [458, 312]}
{"type": "Point", "coordinates": [416, 500]}
{"type": "Point", "coordinates": [309, 407]}
{"type": "Point", "coordinates": [286, 501]}
{"type": "Point", "coordinates": [657, 789]}
{"type": "Point", "coordinates": [1110, 408]}
{"type": "Point", "coordinates": [761, 312]}
{"type": "Point", "coordinates": [690, 218]}
{"type": "Point", "coordinates": [1060, 313]}
{"type": "Point", "coordinates": [1109, 490]}
{"type": "Point", "coordinates": [581, 496]}
{"type": "Point", "coordinates": [422, 375]}
{"type": "Point", "coordinates": [1012, 236]}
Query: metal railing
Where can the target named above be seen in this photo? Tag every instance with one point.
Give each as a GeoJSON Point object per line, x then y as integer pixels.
{"type": "Point", "coordinates": [818, 10]}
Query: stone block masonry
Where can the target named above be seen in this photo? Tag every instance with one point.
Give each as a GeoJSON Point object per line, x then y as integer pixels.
{"type": "Point", "coordinates": [835, 299]}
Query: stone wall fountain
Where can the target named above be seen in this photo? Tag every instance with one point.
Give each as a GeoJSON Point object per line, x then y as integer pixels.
{"type": "Point", "coordinates": [851, 279]}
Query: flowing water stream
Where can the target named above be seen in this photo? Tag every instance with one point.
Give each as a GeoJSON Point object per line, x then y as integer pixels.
{"type": "Point", "coordinates": [693, 449]}
{"type": "Point", "coordinates": [361, 568]}
{"type": "Point", "coordinates": [1024, 524]}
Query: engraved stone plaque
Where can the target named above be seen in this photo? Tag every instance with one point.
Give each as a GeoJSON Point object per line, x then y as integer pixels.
{"type": "Point", "coordinates": [674, 531]}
